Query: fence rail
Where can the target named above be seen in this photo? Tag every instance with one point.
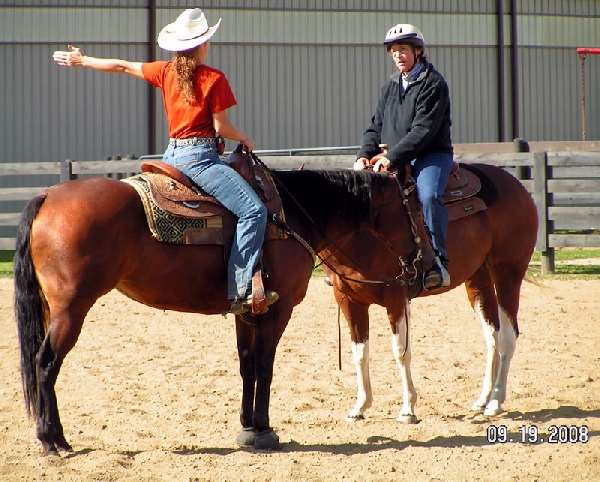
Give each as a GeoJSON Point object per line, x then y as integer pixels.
{"type": "Point", "coordinates": [564, 185]}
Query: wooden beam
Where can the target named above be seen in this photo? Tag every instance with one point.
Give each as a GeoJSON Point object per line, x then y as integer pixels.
{"type": "Point", "coordinates": [19, 193]}
{"type": "Point", "coordinates": [7, 244]}
{"type": "Point", "coordinates": [574, 240]}
{"type": "Point", "coordinates": [29, 168]}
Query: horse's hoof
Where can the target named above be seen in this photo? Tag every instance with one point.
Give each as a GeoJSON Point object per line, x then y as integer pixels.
{"type": "Point", "coordinates": [492, 411]}
{"type": "Point", "coordinates": [51, 451]}
{"type": "Point", "coordinates": [246, 437]}
{"type": "Point", "coordinates": [266, 440]}
{"type": "Point", "coordinates": [63, 445]}
{"type": "Point", "coordinates": [477, 408]}
{"type": "Point", "coordinates": [354, 418]}
{"type": "Point", "coordinates": [493, 408]}
{"type": "Point", "coordinates": [409, 419]}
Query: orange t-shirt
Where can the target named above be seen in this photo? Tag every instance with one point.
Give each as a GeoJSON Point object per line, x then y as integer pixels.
{"type": "Point", "coordinates": [213, 94]}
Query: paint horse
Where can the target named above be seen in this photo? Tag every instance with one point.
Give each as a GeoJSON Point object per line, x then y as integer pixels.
{"type": "Point", "coordinates": [81, 239]}
{"type": "Point", "coordinates": [489, 252]}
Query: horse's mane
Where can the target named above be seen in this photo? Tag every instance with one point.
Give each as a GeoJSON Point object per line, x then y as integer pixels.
{"type": "Point", "coordinates": [343, 194]}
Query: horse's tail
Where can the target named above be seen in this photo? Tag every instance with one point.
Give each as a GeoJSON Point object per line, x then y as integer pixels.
{"type": "Point", "coordinates": [29, 304]}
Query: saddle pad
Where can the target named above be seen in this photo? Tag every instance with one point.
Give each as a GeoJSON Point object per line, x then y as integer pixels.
{"type": "Point", "coordinates": [462, 184]}
{"type": "Point", "coordinates": [168, 228]}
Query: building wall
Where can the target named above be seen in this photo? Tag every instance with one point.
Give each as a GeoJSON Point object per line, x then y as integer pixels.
{"type": "Point", "coordinates": [306, 73]}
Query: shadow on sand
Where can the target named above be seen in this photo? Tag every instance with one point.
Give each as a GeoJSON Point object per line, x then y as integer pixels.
{"type": "Point", "coordinates": [378, 443]}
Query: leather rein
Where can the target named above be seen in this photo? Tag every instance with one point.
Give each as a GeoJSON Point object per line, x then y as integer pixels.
{"type": "Point", "coordinates": [408, 266]}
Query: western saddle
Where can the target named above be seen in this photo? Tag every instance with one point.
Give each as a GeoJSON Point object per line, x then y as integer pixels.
{"type": "Point", "coordinates": [170, 199]}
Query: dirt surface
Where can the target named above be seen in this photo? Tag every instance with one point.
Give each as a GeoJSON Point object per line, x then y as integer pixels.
{"type": "Point", "coordinates": [153, 395]}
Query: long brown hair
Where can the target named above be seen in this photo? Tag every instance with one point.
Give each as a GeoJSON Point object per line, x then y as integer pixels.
{"type": "Point", "coordinates": [186, 63]}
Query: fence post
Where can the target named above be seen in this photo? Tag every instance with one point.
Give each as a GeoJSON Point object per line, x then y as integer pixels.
{"type": "Point", "coordinates": [66, 170]}
{"type": "Point", "coordinates": [540, 185]}
{"type": "Point", "coordinates": [521, 145]}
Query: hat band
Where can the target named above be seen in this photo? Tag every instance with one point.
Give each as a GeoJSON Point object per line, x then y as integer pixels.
{"type": "Point", "coordinates": [194, 37]}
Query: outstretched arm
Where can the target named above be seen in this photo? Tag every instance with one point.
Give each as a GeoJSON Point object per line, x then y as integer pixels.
{"type": "Point", "coordinates": [74, 58]}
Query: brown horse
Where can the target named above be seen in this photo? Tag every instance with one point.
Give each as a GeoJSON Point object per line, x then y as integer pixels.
{"type": "Point", "coordinates": [489, 252]}
{"type": "Point", "coordinates": [83, 238]}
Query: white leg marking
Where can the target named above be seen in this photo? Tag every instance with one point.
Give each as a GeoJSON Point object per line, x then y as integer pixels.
{"type": "Point", "coordinates": [402, 355]}
{"type": "Point", "coordinates": [507, 341]}
{"type": "Point", "coordinates": [364, 395]}
{"type": "Point", "coordinates": [491, 361]}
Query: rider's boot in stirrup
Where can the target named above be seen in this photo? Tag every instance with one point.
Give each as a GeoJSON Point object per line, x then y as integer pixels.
{"type": "Point", "coordinates": [244, 305]}
{"type": "Point", "coordinates": [437, 276]}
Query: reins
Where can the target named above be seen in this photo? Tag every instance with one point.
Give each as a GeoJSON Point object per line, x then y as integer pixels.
{"type": "Point", "coordinates": [408, 267]}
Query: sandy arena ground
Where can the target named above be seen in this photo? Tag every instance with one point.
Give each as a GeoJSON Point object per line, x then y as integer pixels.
{"type": "Point", "coordinates": [153, 395]}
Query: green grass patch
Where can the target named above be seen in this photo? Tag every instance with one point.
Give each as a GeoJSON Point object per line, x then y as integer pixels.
{"type": "Point", "coordinates": [6, 256]}
{"type": "Point", "coordinates": [566, 254]}
{"type": "Point", "coordinates": [6, 263]}
{"type": "Point", "coordinates": [567, 271]}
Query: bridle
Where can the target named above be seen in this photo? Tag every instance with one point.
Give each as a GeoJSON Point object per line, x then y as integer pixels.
{"type": "Point", "coordinates": [408, 272]}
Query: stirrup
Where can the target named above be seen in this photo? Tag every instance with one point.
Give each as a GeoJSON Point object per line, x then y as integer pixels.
{"type": "Point", "coordinates": [243, 306]}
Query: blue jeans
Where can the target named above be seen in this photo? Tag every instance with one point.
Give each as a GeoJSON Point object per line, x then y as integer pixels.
{"type": "Point", "coordinates": [431, 173]}
{"type": "Point", "coordinates": [202, 164]}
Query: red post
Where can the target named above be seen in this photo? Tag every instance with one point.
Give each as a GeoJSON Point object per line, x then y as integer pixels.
{"type": "Point", "coordinates": [583, 52]}
{"type": "Point", "coordinates": [588, 51]}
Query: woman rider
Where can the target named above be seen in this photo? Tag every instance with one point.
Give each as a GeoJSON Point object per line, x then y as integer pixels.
{"type": "Point", "coordinates": [413, 119]}
{"type": "Point", "coordinates": [196, 98]}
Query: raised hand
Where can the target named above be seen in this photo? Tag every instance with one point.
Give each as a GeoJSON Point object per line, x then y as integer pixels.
{"type": "Point", "coordinates": [71, 58]}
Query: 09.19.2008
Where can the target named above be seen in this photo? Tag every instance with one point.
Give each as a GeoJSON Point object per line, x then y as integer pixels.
{"type": "Point", "coordinates": [531, 434]}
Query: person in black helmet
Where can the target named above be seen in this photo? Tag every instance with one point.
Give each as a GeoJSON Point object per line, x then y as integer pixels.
{"type": "Point", "coordinates": [413, 119]}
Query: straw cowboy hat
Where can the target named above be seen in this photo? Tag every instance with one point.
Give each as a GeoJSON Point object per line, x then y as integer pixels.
{"type": "Point", "coordinates": [188, 31]}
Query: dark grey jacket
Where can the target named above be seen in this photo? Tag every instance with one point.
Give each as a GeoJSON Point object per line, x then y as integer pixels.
{"type": "Point", "coordinates": [412, 122]}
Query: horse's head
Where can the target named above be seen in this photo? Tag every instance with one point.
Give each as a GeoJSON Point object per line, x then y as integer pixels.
{"type": "Point", "coordinates": [359, 208]}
